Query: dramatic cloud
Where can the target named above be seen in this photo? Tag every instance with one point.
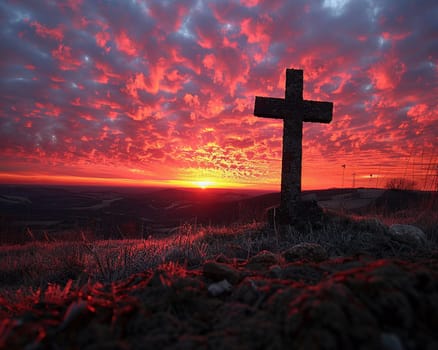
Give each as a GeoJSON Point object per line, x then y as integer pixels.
{"type": "Point", "coordinates": [162, 92]}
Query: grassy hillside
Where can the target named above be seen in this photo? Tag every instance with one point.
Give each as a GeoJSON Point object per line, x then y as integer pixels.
{"type": "Point", "coordinates": [37, 263]}
{"type": "Point", "coordinates": [339, 282]}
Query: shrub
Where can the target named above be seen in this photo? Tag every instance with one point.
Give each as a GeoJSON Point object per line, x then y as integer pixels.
{"type": "Point", "coordinates": [400, 183]}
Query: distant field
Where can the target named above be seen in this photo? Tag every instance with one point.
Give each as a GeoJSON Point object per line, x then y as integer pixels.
{"type": "Point", "coordinates": [114, 212]}
{"type": "Point", "coordinates": [61, 213]}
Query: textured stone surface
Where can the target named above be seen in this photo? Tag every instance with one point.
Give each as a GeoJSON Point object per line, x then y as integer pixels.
{"type": "Point", "coordinates": [218, 288]}
{"type": "Point", "coordinates": [407, 234]}
{"type": "Point", "coordinates": [293, 110]}
{"type": "Point", "coordinates": [262, 261]}
{"type": "Point", "coordinates": [219, 271]}
{"type": "Point", "coordinates": [306, 251]}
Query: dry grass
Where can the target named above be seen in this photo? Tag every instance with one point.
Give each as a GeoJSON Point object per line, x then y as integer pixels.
{"type": "Point", "coordinates": [37, 264]}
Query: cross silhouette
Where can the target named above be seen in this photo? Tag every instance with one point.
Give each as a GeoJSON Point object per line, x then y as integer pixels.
{"type": "Point", "coordinates": [294, 111]}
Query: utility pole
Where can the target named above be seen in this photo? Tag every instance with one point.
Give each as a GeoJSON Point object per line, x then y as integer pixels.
{"type": "Point", "coordinates": [343, 174]}
{"type": "Point", "coordinates": [354, 180]}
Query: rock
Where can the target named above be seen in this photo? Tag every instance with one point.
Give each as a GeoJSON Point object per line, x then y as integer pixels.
{"type": "Point", "coordinates": [306, 251]}
{"type": "Point", "coordinates": [407, 234]}
{"type": "Point", "coordinates": [306, 214]}
{"type": "Point", "coordinates": [247, 292]}
{"type": "Point", "coordinates": [219, 271]}
{"type": "Point", "coordinates": [275, 271]}
{"type": "Point", "coordinates": [218, 288]}
{"type": "Point", "coordinates": [302, 272]}
{"type": "Point", "coordinates": [262, 261]}
{"type": "Point", "coordinates": [391, 341]}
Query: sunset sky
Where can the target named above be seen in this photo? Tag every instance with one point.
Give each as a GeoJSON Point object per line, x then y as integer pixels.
{"type": "Point", "coordinates": [162, 92]}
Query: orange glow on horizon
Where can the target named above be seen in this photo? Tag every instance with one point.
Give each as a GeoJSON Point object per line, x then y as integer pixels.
{"type": "Point", "coordinates": [204, 184]}
{"type": "Point", "coordinates": [310, 183]}
{"type": "Point", "coordinates": [39, 179]}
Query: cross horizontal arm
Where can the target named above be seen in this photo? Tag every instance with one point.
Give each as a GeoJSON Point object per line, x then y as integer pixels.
{"type": "Point", "coordinates": [312, 111]}
{"type": "Point", "coordinates": [269, 107]}
{"type": "Point", "coordinates": [316, 111]}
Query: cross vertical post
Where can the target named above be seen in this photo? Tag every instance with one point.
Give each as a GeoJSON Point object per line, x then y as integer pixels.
{"type": "Point", "coordinates": [294, 111]}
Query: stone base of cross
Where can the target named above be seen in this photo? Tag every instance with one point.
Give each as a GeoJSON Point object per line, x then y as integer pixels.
{"type": "Point", "coordinates": [294, 110]}
{"type": "Point", "coordinates": [302, 215]}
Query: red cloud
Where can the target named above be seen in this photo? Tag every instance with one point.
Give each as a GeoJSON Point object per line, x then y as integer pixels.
{"type": "Point", "coordinates": [423, 113]}
{"type": "Point", "coordinates": [65, 58]}
{"type": "Point", "coordinates": [257, 31]}
{"type": "Point", "coordinates": [159, 78]}
{"type": "Point", "coordinates": [43, 31]}
{"type": "Point", "coordinates": [107, 71]}
{"type": "Point", "coordinates": [126, 44]}
{"type": "Point", "coordinates": [102, 38]}
{"type": "Point", "coordinates": [387, 73]}
{"type": "Point", "coordinates": [191, 100]}
{"type": "Point", "coordinates": [250, 3]}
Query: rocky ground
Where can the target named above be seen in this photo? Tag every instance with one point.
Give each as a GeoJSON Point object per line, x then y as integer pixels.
{"type": "Point", "coordinates": [297, 299]}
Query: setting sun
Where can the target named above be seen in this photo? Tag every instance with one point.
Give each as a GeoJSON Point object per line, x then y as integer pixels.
{"type": "Point", "coordinates": [203, 184]}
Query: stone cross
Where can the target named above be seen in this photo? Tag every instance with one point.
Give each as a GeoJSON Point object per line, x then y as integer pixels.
{"type": "Point", "coordinates": [294, 111]}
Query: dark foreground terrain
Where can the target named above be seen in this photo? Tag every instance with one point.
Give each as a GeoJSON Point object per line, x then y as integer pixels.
{"type": "Point", "coordinates": [270, 301]}
{"type": "Point", "coordinates": [344, 281]}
